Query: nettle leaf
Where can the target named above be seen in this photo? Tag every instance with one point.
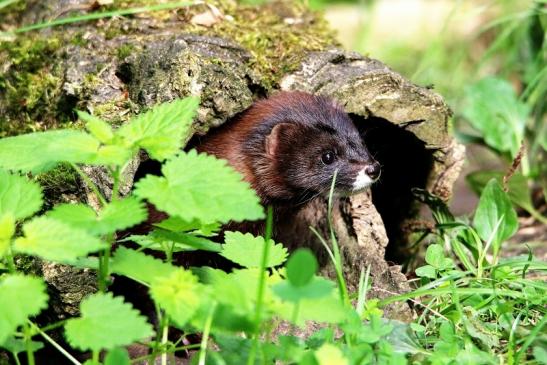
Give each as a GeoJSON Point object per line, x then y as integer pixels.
{"type": "Point", "coordinates": [176, 224]}
{"type": "Point", "coordinates": [179, 294]}
{"type": "Point", "coordinates": [162, 130]}
{"type": "Point", "coordinates": [495, 217]}
{"type": "Point", "coordinates": [38, 152]}
{"type": "Point", "coordinates": [435, 257]}
{"type": "Point", "coordinates": [7, 230]}
{"type": "Point", "coordinates": [492, 107]}
{"type": "Point", "coordinates": [139, 266]}
{"type": "Point", "coordinates": [54, 240]}
{"type": "Point", "coordinates": [21, 297]}
{"type": "Point", "coordinates": [97, 127]}
{"type": "Point", "coordinates": [200, 187]}
{"type": "Point", "coordinates": [16, 345]}
{"type": "Point", "coordinates": [106, 322]}
{"type": "Point", "coordinates": [186, 241]}
{"type": "Point", "coordinates": [246, 250]}
{"type": "Point", "coordinates": [18, 195]}
{"type": "Point", "coordinates": [115, 216]}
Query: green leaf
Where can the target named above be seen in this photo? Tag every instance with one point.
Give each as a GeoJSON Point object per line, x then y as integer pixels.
{"type": "Point", "coordinates": [434, 255]}
{"type": "Point", "coordinates": [330, 354]}
{"type": "Point", "coordinates": [301, 267]}
{"type": "Point", "coordinates": [16, 345]}
{"type": "Point", "coordinates": [179, 294]}
{"type": "Point", "coordinates": [106, 322]}
{"type": "Point", "coordinates": [7, 230]}
{"type": "Point", "coordinates": [493, 108]}
{"type": "Point", "coordinates": [162, 130]}
{"type": "Point", "coordinates": [19, 196]}
{"type": "Point", "coordinates": [203, 188]}
{"type": "Point", "coordinates": [21, 297]}
{"type": "Point", "coordinates": [117, 356]}
{"type": "Point", "coordinates": [54, 240]}
{"type": "Point", "coordinates": [540, 354]}
{"type": "Point", "coordinates": [97, 127]}
{"type": "Point", "coordinates": [426, 271]}
{"type": "Point", "coordinates": [139, 266]}
{"type": "Point", "coordinates": [518, 190]}
{"type": "Point", "coordinates": [115, 216]}
{"type": "Point", "coordinates": [246, 250]}
{"type": "Point", "coordinates": [314, 289]}
{"type": "Point", "coordinates": [186, 241]}
{"type": "Point", "coordinates": [495, 217]}
{"type": "Point", "coordinates": [37, 152]}
{"type": "Point", "coordinates": [175, 224]}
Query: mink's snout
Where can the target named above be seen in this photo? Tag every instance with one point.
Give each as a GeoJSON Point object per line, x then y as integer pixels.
{"type": "Point", "coordinates": [365, 175]}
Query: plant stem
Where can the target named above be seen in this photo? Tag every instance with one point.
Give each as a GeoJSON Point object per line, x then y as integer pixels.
{"type": "Point", "coordinates": [261, 284]}
{"type": "Point", "coordinates": [95, 357]}
{"type": "Point", "coordinates": [205, 338]}
{"type": "Point", "coordinates": [164, 338]}
{"type": "Point", "coordinates": [89, 183]}
{"type": "Point", "coordinates": [55, 344]}
{"type": "Point", "coordinates": [28, 344]}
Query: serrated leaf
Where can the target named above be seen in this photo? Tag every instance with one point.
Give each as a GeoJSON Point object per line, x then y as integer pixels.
{"type": "Point", "coordinates": [187, 241]}
{"type": "Point", "coordinates": [19, 196]}
{"type": "Point", "coordinates": [38, 152]}
{"type": "Point", "coordinates": [21, 297]}
{"type": "Point", "coordinates": [301, 267]}
{"type": "Point", "coordinates": [200, 187]}
{"type": "Point", "coordinates": [106, 322]}
{"type": "Point", "coordinates": [54, 240]}
{"type": "Point", "coordinates": [96, 126]}
{"type": "Point", "coordinates": [246, 250]}
{"type": "Point", "coordinates": [115, 216]}
{"type": "Point", "coordinates": [139, 266]}
{"type": "Point", "coordinates": [493, 108]}
{"type": "Point", "coordinates": [176, 224]}
{"type": "Point", "coordinates": [7, 230]}
{"type": "Point", "coordinates": [495, 217]}
{"type": "Point", "coordinates": [426, 271]}
{"type": "Point", "coordinates": [179, 294]}
{"type": "Point", "coordinates": [162, 130]}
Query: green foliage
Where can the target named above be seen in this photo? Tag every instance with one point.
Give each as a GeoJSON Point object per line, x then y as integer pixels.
{"type": "Point", "coordinates": [160, 130]}
{"type": "Point", "coordinates": [106, 322]}
{"type": "Point", "coordinates": [179, 294]}
{"type": "Point", "coordinates": [115, 216]}
{"type": "Point", "coordinates": [208, 190]}
{"type": "Point", "coordinates": [474, 305]}
{"type": "Point", "coordinates": [246, 250]}
{"type": "Point", "coordinates": [495, 111]}
{"type": "Point", "coordinates": [21, 297]}
{"type": "Point", "coordinates": [56, 240]}
{"type": "Point", "coordinates": [495, 219]}
{"type": "Point", "coordinates": [19, 197]}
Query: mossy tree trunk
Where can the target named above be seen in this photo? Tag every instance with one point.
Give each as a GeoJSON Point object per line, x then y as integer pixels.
{"type": "Point", "coordinates": [116, 67]}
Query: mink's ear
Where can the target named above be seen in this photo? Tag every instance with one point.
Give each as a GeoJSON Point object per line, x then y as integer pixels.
{"type": "Point", "coordinates": [280, 132]}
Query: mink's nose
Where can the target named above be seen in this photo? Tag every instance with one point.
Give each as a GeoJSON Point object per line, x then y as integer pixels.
{"type": "Point", "coordinates": [373, 170]}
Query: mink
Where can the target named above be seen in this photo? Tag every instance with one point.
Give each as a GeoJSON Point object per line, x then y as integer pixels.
{"type": "Point", "coordinates": [289, 146]}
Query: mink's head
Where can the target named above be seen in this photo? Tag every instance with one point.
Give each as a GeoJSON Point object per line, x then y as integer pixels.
{"type": "Point", "coordinates": [300, 142]}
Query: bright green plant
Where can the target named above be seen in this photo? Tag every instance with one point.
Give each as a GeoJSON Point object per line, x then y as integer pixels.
{"type": "Point", "coordinates": [468, 311]}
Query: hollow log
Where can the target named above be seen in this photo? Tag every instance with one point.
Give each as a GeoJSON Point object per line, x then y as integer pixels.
{"type": "Point", "coordinates": [230, 55]}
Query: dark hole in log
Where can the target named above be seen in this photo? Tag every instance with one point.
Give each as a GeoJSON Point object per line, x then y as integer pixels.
{"type": "Point", "coordinates": [406, 164]}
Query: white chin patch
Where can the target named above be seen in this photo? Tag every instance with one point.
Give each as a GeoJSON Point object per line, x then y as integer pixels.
{"type": "Point", "coordinates": [362, 181]}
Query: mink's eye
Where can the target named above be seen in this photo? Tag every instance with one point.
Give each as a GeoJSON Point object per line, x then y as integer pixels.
{"type": "Point", "coordinates": [327, 157]}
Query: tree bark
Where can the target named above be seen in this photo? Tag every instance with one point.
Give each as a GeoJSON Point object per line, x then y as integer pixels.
{"type": "Point", "coordinates": [116, 67]}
